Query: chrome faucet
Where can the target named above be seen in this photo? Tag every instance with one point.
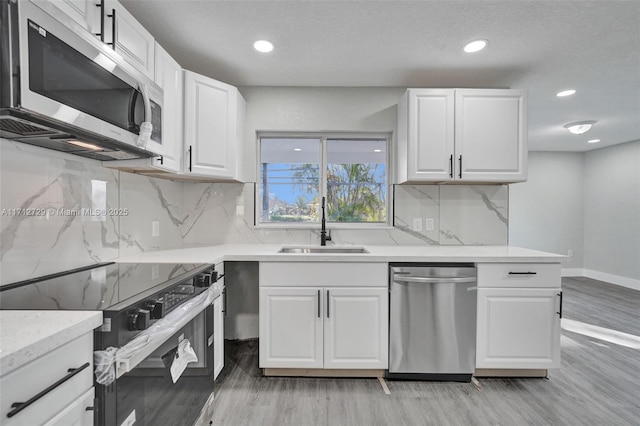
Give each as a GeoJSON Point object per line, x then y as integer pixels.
{"type": "Point", "coordinates": [323, 232]}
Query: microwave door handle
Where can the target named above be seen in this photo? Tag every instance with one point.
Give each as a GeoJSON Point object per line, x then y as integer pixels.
{"type": "Point", "coordinates": [147, 102]}
{"type": "Point", "coordinates": [142, 89]}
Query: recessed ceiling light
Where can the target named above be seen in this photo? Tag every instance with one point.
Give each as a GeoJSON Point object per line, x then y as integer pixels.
{"type": "Point", "coordinates": [579, 127]}
{"type": "Point", "coordinates": [475, 46]}
{"type": "Point", "coordinates": [564, 93]}
{"type": "Point", "coordinates": [377, 150]}
{"type": "Point", "coordinates": [263, 46]}
{"type": "Point", "coordinates": [297, 149]}
{"type": "Point", "coordinates": [594, 141]}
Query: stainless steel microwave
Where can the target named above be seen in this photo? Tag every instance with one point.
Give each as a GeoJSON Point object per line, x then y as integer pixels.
{"type": "Point", "coordinates": [64, 90]}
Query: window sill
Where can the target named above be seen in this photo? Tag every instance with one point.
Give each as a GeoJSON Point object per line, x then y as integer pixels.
{"type": "Point", "coordinates": [329, 226]}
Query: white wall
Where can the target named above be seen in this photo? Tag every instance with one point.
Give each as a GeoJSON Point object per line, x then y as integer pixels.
{"type": "Point", "coordinates": [546, 211]}
{"type": "Point", "coordinates": [612, 213]}
{"type": "Point", "coordinates": [585, 202]}
{"type": "Point", "coordinates": [316, 109]}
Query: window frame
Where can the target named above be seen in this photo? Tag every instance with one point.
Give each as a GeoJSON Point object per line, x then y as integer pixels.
{"type": "Point", "coordinates": [322, 190]}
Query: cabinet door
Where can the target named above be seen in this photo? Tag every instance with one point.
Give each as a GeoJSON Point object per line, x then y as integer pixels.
{"type": "Point", "coordinates": [491, 135]}
{"type": "Point", "coordinates": [218, 335]}
{"type": "Point", "coordinates": [290, 327]}
{"type": "Point", "coordinates": [169, 77]}
{"type": "Point", "coordinates": [131, 39]}
{"type": "Point", "coordinates": [79, 413]}
{"type": "Point", "coordinates": [209, 126]}
{"type": "Point", "coordinates": [83, 12]}
{"type": "Point", "coordinates": [356, 328]}
{"type": "Point", "coordinates": [430, 134]}
{"type": "Point", "coordinates": [518, 328]}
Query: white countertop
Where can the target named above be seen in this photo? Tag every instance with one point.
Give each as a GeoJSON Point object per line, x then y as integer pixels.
{"type": "Point", "coordinates": [27, 335]}
{"type": "Point", "coordinates": [269, 253]}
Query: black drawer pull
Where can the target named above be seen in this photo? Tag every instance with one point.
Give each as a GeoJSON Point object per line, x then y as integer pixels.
{"type": "Point", "coordinates": [19, 406]}
{"type": "Point", "coordinates": [522, 273]}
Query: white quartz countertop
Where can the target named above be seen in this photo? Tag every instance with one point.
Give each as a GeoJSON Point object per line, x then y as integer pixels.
{"type": "Point", "coordinates": [27, 335]}
{"type": "Point", "coordinates": [269, 253]}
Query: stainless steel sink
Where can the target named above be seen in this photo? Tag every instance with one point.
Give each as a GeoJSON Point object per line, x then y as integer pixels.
{"type": "Point", "coordinates": [329, 250]}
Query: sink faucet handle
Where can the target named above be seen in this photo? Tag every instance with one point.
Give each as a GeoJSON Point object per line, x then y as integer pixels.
{"type": "Point", "coordinates": [328, 236]}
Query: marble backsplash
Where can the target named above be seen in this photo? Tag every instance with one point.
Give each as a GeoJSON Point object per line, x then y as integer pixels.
{"type": "Point", "coordinates": [61, 212]}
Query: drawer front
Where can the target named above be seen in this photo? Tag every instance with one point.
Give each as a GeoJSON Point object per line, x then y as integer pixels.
{"type": "Point", "coordinates": [79, 413]}
{"type": "Point", "coordinates": [36, 376]}
{"type": "Point", "coordinates": [323, 274]}
{"type": "Point", "coordinates": [519, 275]}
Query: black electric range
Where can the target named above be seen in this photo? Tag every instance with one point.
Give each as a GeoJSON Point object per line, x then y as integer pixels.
{"type": "Point", "coordinates": [133, 297]}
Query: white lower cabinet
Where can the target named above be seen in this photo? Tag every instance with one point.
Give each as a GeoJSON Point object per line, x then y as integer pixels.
{"type": "Point", "coordinates": [64, 404]}
{"type": "Point", "coordinates": [80, 413]}
{"type": "Point", "coordinates": [356, 328]}
{"type": "Point", "coordinates": [218, 335]}
{"type": "Point", "coordinates": [519, 313]}
{"type": "Point", "coordinates": [291, 325]}
{"type": "Point", "coordinates": [328, 327]}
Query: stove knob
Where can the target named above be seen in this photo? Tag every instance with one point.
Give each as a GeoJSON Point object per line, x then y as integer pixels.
{"type": "Point", "coordinates": [203, 279]}
{"type": "Point", "coordinates": [155, 308]}
{"type": "Point", "coordinates": [139, 320]}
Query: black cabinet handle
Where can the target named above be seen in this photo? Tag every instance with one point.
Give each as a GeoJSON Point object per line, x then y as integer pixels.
{"type": "Point", "coordinates": [523, 273]}
{"type": "Point", "coordinates": [318, 303]}
{"type": "Point", "coordinates": [161, 159]}
{"type": "Point", "coordinates": [113, 29]}
{"type": "Point", "coordinates": [190, 151]}
{"type": "Point", "coordinates": [19, 406]}
{"type": "Point", "coordinates": [560, 311]}
{"type": "Point", "coordinates": [328, 303]}
{"type": "Point", "coordinates": [224, 301]}
{"type": "Point", "coordinates": [451, 166]}
{"type": "Point", "coordinates": [460, 171]}
{"type": "Point", "coordinates": [101, 33]}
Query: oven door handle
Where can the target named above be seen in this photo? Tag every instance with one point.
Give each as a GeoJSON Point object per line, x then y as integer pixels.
{"type": "Point", "coordinates": [144, 344]}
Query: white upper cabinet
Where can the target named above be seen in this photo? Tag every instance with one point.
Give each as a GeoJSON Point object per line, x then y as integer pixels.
{"type": "Point", "coordinates": [214, 115]}
{"type": "Point", "coordinates": [129, 38]}
{"type": "Point", "coordinates": [109, 21]}
{"type": "Point", "coordinates": [84, 12]}
{"type": "Point", "coordinates": [169, 77]}
{"type": "Point", "coordinates": [466, 135]}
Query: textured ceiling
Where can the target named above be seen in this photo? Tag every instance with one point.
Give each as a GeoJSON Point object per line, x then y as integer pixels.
{"type": "Point", "coordinates": [541, 46]}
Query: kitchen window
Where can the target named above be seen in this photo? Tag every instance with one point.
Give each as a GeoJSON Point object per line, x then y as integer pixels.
{"type": "Point", "coordinates": [295, 172]}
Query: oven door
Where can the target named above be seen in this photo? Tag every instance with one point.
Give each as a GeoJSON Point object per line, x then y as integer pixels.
{"type": "Point", "coordinates": [146, 395]}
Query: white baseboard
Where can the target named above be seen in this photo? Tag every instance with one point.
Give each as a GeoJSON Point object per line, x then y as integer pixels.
{"type": "Point", "coordinates": [602, 276]}
{"type": "Point", "coordinates": [613, 279]}
{"type": "Point", "coordinates": [572, 272]}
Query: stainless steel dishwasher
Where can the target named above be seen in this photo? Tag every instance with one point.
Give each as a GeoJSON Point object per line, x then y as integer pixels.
{"type": "Point", "coordinates": [432, 321]}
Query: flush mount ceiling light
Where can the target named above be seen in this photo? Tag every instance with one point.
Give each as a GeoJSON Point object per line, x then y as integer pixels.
{"type": "Point", "coordinates": [377, 150]}
{"type": "Point", "coordinates": [579, 127]}
{"type": "Point", "coordinates": [263, 46]}
{"type": "Point", "coordinates": [593, 141]}
{"type": "Point", "coordinates": [297, 149]}
{"type": "Point", "coordinates": [564, 93]}
{"type": "Point", "coordinates": [475, 46]}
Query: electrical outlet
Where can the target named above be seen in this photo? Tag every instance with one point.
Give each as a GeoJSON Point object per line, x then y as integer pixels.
{"type": "Point", "coordinates": [155, 228]}
{"type": "Point", "coordinates": [570, 253]}
{"type": "Point", "coordinates": [429, 222]}
{"type": "Point", "coordinates": [417, 224]}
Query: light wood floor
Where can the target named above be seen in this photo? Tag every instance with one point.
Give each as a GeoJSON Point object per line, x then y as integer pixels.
{"type": "Point", "coordinates": [598, 384]}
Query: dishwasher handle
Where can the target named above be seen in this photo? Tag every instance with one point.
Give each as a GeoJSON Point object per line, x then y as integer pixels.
{"type": "Point", "coordinates": [428, 280]}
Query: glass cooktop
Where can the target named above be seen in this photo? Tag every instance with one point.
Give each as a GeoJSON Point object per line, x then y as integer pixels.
{"type": "Point", "coordinates": [97, 288]}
